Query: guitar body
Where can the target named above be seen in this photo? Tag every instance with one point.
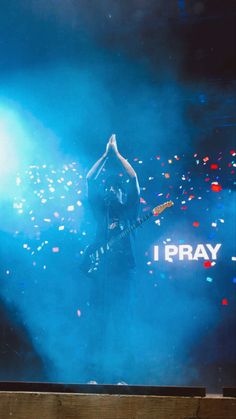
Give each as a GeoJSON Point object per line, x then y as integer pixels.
{"type": "Point", "coordinates": [87, 262]}
{"type": "Point", "coordinates": [92, 260]}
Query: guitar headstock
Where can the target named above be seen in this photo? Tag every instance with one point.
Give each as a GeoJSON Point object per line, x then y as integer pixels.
{"type": "Point", "coordinates": [160, 208]}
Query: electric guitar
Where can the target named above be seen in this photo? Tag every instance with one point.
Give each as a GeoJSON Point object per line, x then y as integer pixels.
{"type": "Point", "coordinates": [93, 254]}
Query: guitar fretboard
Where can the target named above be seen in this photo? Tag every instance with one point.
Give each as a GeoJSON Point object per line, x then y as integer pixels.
{"type": "Point", "coordinates": [129, 229]}
{"type": "Point", "coordinates": [157, 210]}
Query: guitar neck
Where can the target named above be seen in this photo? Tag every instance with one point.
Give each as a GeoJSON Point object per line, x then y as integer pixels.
{"type": "Point", "coordinates": [131, 228]}
{"type": "Point", "coordinates": [156, 211]}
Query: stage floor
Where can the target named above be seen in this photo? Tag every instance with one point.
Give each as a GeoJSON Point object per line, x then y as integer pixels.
{"type": "Point", "coordinates": [37, 405]}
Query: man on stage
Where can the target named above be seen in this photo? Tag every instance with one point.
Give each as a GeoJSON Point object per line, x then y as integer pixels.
{"type": "Point", "coordinates": [115, 204]}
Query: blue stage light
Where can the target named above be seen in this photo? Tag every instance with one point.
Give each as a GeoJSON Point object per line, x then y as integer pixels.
{"type": "Point", "coordinates": [9, 155]}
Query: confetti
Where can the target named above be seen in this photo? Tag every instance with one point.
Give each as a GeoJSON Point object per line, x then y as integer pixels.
{"type": "Point", "coordinates": [207, 264]}
{"type": "Point", "coordinates": [18, 181]}
{"type": "Point", "coordinates": [55, 192]}
{"type": "Point", "coordinates": [215, 187]}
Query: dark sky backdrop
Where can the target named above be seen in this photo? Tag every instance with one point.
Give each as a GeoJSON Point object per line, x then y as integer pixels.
{"type": "Point", "coordinates": [137, 58]}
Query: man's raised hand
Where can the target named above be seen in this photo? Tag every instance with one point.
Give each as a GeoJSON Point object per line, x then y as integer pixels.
{"type": "Point", "coordinates": [108, 146]}
{"type": "Point", "coordinates": [114, 143]}
{"type": "Point", "coordinates": [111, 145]}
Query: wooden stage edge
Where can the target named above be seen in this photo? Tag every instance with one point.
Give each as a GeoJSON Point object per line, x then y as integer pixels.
{"type": "Point", "coordinates": [43, 405]}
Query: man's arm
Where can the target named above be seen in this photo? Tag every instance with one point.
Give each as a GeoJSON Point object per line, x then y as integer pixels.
{"type": "Point", "coordinates": [125, 164]}
{"type": "Point", "coordinates": [96, 169]}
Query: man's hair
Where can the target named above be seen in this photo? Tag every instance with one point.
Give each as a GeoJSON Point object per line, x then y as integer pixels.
{"type": "Point", "coordinates": [115, 181]}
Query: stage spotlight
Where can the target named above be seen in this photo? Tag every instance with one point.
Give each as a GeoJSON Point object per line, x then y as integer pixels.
{"type": "Point", "coordinates": [8, 157]}
{"type": "Point", "coordinates": [12, 149]}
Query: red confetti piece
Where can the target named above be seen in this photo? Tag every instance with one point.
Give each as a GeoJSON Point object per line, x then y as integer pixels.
{"type": "Point", "coordinates": [207, 179]}
{"type": "Point", "coordinates": [191, 197]}
{"type": "Point", "coordinates": [184, 208]}
{"type": "Point", "coordinates": [196, 224]}
{"type": "Point", "coordinates": [206, 159]}
{"type": "Point", "coordinates": [216, 187]}
{"type": "Point", "coordinates": [214, 166]}
{"type": "Point", "coordinates": [167, 175]}
{"type": "Point", "coordinates": [224, 302]}
{"type": "Point", "coordinates": [232, 152]}
{"type": "Point", "coordinates": [142, 201]}
{"type": "Point", "coordinates": [158, 157]}
{"type": "Point", "coordinates": [207, 264]}
{"type": "Point", "coordinates": [55, 250]}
